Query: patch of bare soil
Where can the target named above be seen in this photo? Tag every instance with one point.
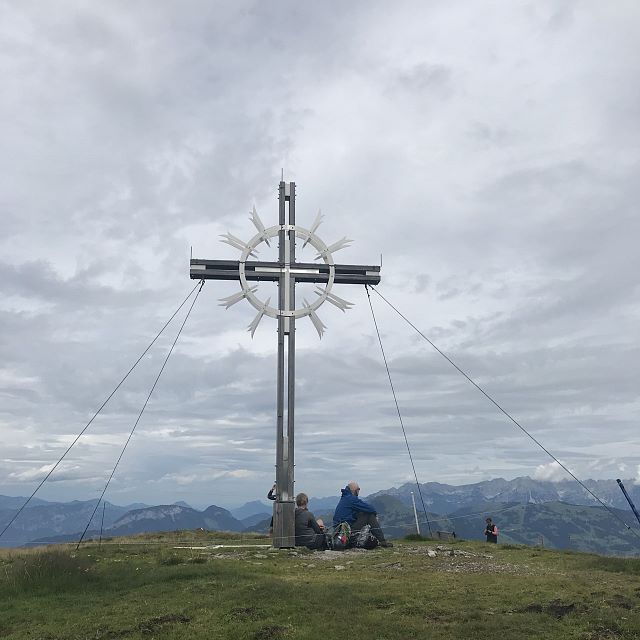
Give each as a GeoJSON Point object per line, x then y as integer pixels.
{"type": "Point", "coordinates": [246, 613]}
{"type": "Point", "coordinates": [153, 624]}
{"type": "Point", "coordinates": [452, 560]}
{"type": "Point", "coordinates": [146, 626]}
{"type": "Point", "coordinates": [602, 632]}
{"type": "Point", "coordinates": [389, 566]}
{"type": "Point", "coordinates": [441, 551]}
{"type": "Point", "coordinates": [270, 632]}
{"type": "Point", "coordinates": [329, 554]}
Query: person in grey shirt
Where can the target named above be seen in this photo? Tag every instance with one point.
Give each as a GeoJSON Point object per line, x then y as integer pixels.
{"type": "Point", "coordinates": [309, 531]}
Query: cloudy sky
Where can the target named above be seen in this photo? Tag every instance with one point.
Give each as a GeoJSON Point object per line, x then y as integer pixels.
{"type": "Point", "coordinates": [490, 151]}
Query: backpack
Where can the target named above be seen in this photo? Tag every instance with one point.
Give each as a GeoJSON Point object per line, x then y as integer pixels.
{"type": "Point", "coordinates": [341, 536]}
{"type": "Point", "coordinates": [364, 539]}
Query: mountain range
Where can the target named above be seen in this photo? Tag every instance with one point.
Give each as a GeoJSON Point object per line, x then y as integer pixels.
{"type": "Point", "coordinates": [444, 498]}
{"type": "Point", "coordinates": [528, 511]}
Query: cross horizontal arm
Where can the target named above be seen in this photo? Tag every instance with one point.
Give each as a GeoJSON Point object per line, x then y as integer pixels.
{"type": "Point", "coordinates": [271, 271]}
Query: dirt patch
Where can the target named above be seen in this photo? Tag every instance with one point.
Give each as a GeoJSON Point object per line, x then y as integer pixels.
{"type": "Point", "coordinates": [456, 566]}
{"type": "Point", "coordinates": [602, 632]}
{"type": "Point", "coordinates": [559, 609]}
{"type": "Point", "coordinates": [270, 632]}
{"type": "Point", "coordinates": [329, 554]}
{"type": "Point", "coordinates": [389, 566]}
{"type": "Point", "coordinates": [153, 624]}
{"type": "Point", "coordinates": [246, 613]}
{"type": "Point", "coordinates": [536, 607]}
{"type": "Point", "coordinates": [448, 552]}
{"type": "Point", "coordinates": [437, 616]}
{"type": "Point", "coordinates": [147, 626]}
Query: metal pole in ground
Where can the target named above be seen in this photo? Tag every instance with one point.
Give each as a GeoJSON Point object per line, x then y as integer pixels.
{"type": "Point", "coordinates": [415, 512]}
{"type": "Point", "coordinates": [104, 504]}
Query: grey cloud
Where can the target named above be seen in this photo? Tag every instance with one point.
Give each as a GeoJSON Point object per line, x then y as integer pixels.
{"type": "Point", "coordinates": [423, 77]}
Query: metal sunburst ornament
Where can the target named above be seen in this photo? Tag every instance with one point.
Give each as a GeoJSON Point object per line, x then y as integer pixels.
{"type": "Point", "coordinates": [300, 271]}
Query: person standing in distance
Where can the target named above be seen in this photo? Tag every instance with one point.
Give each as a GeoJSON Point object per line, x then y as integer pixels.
{"type": "Point", "coordinates": [491, 531]}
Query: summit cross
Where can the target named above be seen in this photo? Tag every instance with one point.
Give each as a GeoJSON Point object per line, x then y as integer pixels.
{"type": "Point", "coordinates": [286, 272]}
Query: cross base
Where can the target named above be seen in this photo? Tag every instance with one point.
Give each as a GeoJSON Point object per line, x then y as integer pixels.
{"type": "Point", "coordinates": [284, 536]}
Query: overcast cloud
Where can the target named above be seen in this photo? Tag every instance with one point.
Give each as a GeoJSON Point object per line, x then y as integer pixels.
{"type": "Point", "coordinates": [490, 151]}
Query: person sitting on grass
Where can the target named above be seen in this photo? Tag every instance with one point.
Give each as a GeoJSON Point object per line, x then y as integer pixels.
{"type": "Point", "coordinates": [357, 513]}
{"type": "Point", "coordinates": [309, 531]}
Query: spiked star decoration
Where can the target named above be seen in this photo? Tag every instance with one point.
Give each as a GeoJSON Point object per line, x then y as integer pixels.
{"type": "Point", "coordinates": [299, 271]}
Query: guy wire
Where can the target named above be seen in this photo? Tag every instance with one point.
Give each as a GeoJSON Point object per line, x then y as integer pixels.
{"type": "Point", "coordinates": [395, 399]}
{"type": "Point", "coordinates": [144, 406]}
{"type": "Point", "coordinates": [508, 415]}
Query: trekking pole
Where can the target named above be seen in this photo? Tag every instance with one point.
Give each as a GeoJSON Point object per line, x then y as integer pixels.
{"type": "Point", "coordinates": [626, 495]}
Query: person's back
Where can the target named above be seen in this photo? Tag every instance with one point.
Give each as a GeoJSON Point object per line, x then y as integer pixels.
{"type": "Point", "coordinates": [305, 535]}
{"type": "Point", "coordinates": [358, 513]}
{"type": "Point", "coordinates": [309, 531]}
{"type": "Point", "coordinates": [349, 505]}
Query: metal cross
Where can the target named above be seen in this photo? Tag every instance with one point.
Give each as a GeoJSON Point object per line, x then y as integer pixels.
{"type": "Point", "coordinates": [286, 272]}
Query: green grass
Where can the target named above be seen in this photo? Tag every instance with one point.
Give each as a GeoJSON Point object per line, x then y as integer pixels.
{"type": "Point", "coordinates": [144, 588]}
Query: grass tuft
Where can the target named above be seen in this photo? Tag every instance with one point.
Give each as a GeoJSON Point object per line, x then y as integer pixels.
{"type": "Point", "coordinates": [46, 569]}
{"type": "Point", "coordinates": [171, 559]}
{"type": "Point", "coordinates": [415, 537]}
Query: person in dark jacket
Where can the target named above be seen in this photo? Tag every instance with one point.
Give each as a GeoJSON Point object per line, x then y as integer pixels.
{"type": "Point", "coordinates": [309, 531]}
{"type": "Point", "coordinates": [358, 513]}
{"type": "Point", "coordinates": [491, 531]}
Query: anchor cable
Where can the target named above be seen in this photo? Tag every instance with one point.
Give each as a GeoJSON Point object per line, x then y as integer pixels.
{"type": "Point", "coordinates": [395, 399]}
{"type": "Point", "coordinates": [95, 415]}
{"type": "Point", "coordinates": [144, 406]}
{"type": "Point", "coordinates": [507, 414]}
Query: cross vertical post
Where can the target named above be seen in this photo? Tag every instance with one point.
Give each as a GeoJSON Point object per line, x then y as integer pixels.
{"type": "Point", "coordinates": [284, 514]}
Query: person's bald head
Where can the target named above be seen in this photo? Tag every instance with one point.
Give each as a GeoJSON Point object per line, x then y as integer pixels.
{"type": "Point", "coordinates": [354, 487]}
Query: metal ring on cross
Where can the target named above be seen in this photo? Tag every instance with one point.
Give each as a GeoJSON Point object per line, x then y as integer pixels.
{"type": "Point", "coordinates": [310, 238]}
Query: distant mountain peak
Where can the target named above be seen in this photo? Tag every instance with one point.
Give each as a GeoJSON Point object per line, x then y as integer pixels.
{"type": "Point", "coordinates": [251, 508]}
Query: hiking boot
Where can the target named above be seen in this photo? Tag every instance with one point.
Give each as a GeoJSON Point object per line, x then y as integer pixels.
{"type": "Point", "coordinates": [386, 545]}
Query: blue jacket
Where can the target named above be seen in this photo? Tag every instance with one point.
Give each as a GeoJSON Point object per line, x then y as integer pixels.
{"type": "Point", "coordinates": [348, 507]}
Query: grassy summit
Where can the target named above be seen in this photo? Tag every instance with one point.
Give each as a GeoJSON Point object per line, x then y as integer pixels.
{"type": "Point", "coordinates": [143, 587]}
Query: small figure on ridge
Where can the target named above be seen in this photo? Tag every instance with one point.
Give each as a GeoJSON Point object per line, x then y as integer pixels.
{"type": "Point", "coordinates": [491, 531]}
